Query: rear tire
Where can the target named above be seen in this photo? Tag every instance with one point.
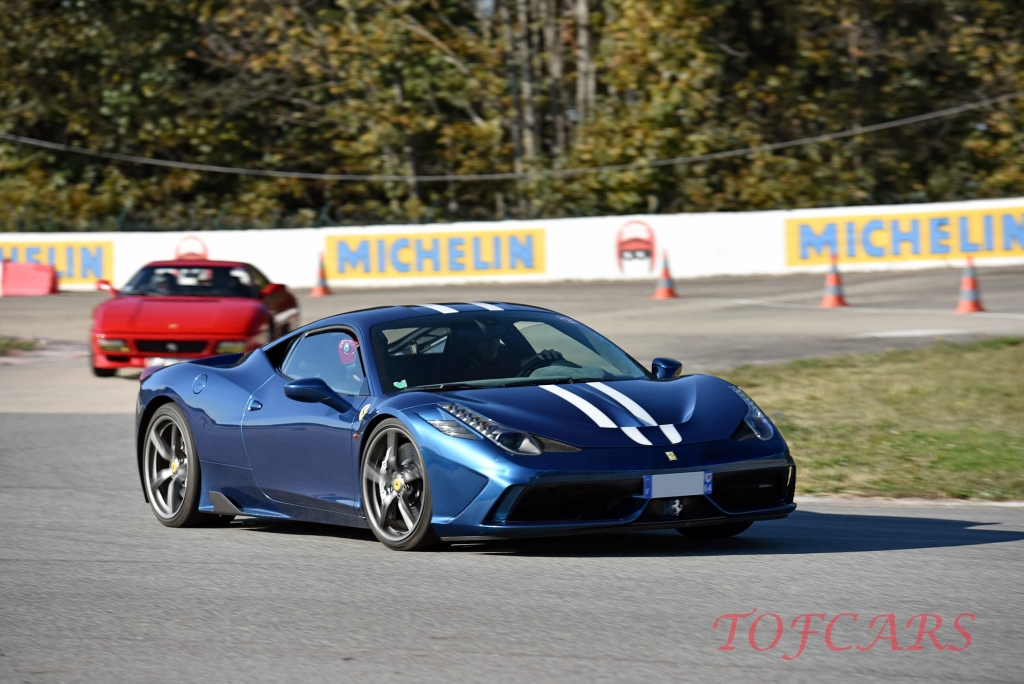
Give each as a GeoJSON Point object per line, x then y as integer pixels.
{"type": "Point", "coordinates": [715, 531]}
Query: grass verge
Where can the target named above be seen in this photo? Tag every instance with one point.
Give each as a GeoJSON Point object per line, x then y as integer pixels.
{"type": "Point", "coordinates": [944, 421]}
{"type": "Point", "coordinates": [9, 344]}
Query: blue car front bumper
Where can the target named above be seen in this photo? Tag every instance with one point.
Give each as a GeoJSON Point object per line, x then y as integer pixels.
{"type": "Point", "coordinates": [594, 490]}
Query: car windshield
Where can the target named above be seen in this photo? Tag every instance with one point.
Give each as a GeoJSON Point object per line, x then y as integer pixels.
{"type": "Point", "coordinates": [495, 349]}
{"type": "Point", "coordinates": [192, 281]}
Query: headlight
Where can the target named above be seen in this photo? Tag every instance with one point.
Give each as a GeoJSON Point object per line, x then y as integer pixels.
{"type": "Point", "coordinates": [231, 347]}
{"type": "Point", "coordinates": [755, 418]}
{"type": "Point", "coordinates": [513, 441]}
{"type": "Point", "coordinates": [111, 345]}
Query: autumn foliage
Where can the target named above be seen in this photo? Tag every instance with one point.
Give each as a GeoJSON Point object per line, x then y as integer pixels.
{"type": "Point", "coordinates": [427, 87]}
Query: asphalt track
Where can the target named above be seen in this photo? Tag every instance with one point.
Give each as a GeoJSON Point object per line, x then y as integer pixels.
{"type": "Point", "coordinates": [92, 588]}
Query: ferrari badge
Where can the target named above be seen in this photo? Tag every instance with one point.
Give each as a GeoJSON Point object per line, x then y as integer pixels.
{"type": "Point", "coordinates": [671, 455]}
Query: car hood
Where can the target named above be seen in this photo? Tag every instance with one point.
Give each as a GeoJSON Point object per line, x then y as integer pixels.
{"type": "Point", "coordinates": [696, 408]}
{"type": "Point", "coordinates": [178, 315]}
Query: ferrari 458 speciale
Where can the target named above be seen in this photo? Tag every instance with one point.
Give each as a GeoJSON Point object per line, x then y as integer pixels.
{"type": "Point", "coordinates": [456, 421]}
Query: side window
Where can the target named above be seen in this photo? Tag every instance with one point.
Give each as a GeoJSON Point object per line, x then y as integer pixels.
{"type": "Point", "coordinates": [258, 279]}
{"type": "Point", "coordinates": [332, 356]}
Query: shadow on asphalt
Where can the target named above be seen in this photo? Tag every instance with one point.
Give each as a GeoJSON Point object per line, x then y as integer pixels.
{"type": "Point", "coordinates": [801, 533]}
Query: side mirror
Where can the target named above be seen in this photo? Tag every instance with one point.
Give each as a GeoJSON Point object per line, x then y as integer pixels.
{"type": "Point", "coordinates": [664, 369]}
{"type": "Point", "coordinates": [272, 288]}
{"type": "Point", "coordinates": [105, 286]}
{"type": "Point", "coordinates": [316, 391]}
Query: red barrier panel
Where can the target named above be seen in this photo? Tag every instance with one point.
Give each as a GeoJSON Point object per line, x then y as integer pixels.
{"type": "Point", "coordinates": [27, 280]}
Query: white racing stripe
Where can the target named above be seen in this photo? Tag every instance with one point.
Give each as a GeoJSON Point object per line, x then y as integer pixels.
{"type": "Point", "coordinates": [595, 414]}
{"type": "Point", "coordinates": [672, 434]}
{"type": "Point", "coordinates": [485, 305]}
{"type": "Point", "coordinates": [637, 436]}
{"type": "Point", "coordinates": [440, 308]}
{"type": "Point", "coordinates": [638, 412]}
{"type": "Point", "coordinates": [636, 409]}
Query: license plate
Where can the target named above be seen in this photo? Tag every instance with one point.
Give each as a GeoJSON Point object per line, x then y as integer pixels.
{"type": "Point", "coordinates": [677, 484]}
{"type": "Point", "coordinates": [159, 361]}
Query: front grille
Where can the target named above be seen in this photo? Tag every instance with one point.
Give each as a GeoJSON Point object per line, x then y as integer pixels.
{"type": "Point", "coordinates": [171, 346]}
{"type": "Point", "coordinates": [578, 501]}
{"type": "Point", "coordinates": [751, 490]}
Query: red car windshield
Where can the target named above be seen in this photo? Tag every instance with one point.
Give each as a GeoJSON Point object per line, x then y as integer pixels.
{"type": "Point", "coordinates": [203, 281]}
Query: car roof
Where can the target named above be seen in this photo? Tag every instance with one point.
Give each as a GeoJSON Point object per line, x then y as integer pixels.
{"type": "Point", "coordinates": [386, 314]}
{"type": "Point", "coordinates": [195, 263]}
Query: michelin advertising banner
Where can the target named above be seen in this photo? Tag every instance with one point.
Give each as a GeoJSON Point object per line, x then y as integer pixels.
{"type": "Point", "coordinates": [598, 248]}
{"type": "Point", "coordinates": [79, 263]}
{"type": "Point", "coordinates": [924, 235]}
{"type": "Point", "coordinates": [402, 255]}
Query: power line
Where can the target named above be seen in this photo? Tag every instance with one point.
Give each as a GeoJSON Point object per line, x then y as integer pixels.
{"type": "Point", "coordinates": [526, 175]}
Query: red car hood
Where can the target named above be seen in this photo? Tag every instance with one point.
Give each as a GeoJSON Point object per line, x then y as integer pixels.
{"type": "Point", "coordinates": [179, 315]}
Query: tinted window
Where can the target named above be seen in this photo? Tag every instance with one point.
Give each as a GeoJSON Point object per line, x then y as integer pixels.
{"type": "Point", "coordinates": [192, 281]}
{"type": "Point", "coordinates": [492, 349]}
{"type": "Point", "coordinates": [332, 356]}
{"type": "Point", "coordinates": [258, 279]}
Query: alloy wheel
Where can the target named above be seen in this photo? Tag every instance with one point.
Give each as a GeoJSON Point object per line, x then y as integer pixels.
{"type": "Point", "coordinates": [166, 463]}
{"type": "Point", "coordinates": [393, 485]}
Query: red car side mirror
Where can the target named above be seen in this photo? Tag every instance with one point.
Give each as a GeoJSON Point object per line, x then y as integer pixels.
{"type": "Point", "coordinates": [105, 286]}
{"type": "Point", "coordinates": [272, 288]}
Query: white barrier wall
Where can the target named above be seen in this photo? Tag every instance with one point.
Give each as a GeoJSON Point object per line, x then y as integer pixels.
{"type": "Point", "coordinates": [602, 248]}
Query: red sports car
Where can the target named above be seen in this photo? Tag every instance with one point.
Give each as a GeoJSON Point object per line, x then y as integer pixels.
{"type": "Point", "coordinates": [171, 311]}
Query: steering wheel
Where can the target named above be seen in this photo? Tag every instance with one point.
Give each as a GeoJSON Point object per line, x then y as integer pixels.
{"type": "Point", "coordinates": [538, 362]}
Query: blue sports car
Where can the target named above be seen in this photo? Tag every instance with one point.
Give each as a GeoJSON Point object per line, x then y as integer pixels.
{"type": "Point", "coordinates": [456, 421]}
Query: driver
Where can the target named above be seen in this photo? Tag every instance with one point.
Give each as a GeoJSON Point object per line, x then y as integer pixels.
{"type": "Point", "coordinates": [352, 377]}
{"type": "Point", "coordinates": [163, 284]}
{"type": "Point", "coordinates": [488, 358]}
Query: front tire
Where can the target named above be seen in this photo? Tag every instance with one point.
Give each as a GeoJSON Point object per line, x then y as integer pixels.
{"type": "Point", "coordinates": [101, 372]}
{"type": "Point", "coordinates": [715, 531]}
{"type": "Point", "coordinates": [395, 489]}
{"type": "Point", "coordinates": [171, 471]}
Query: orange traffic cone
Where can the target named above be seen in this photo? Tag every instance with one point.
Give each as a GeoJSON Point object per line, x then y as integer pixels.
{"type": "Point", "coordinates": [321, 289]}
{"type": "Point", "coordinates": [665, 288]}
{"type": "Point", "coordinates": [970, 297]}
{"type": "Point", "coordinates": [833, 287]}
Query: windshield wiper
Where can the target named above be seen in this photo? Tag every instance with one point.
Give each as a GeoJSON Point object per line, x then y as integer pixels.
{"type": "Point", "coordinates": [441, 386]}
{"type": "Point", "coordinates": [550, 381]}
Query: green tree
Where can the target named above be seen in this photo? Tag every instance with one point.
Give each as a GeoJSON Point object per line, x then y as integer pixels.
{"type": "Point", "coordinates": [427, 87]}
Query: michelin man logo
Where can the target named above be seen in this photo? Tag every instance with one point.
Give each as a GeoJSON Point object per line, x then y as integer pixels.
{"type": "Point", "coordinates": [191, 247]}
{"type": "Point", "coordinates": [635, 247]}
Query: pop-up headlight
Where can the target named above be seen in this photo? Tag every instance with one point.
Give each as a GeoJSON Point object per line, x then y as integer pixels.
{"type": "Point", "coordinates": [755, 419]}
{"type": "Point", "coordinates": [469, 422]}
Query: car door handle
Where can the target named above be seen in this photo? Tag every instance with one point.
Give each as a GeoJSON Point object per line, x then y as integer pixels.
{"type": "Point", "coordinates": [255, 405]}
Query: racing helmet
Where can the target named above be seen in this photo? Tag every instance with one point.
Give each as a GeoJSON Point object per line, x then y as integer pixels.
{"type": "Point", "coordinates": [348, 351]}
